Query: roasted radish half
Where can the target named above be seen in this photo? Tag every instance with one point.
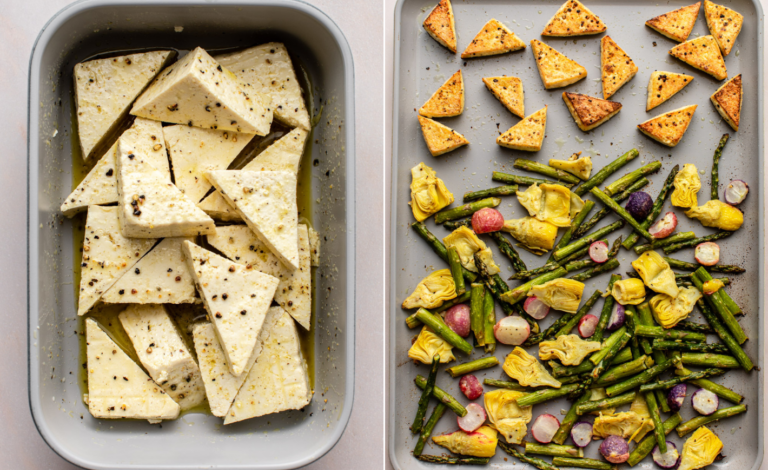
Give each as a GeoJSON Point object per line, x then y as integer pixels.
{"type": "Point", "coordinates": [598, 252]}
{"type": "Point", "coordinates": [736, 192]}
{"type": "Point", "coordinates": [639, 205]}
{"type": "Point", "coordinates": [457, 319]}
{"type": "Point", "coordinates": [664, 226]}
{"type": "Point", "coordinates": [537, 309]}
{"type": "Point", "coordinates": [581, 433]}
{"type": "Point", "coordinates": [669, 459]}
{"type": "Point", "coordinates": [512, 330]}
{"type": "Point", "coordinates": [615, 449]}
{"type": "Point", "coordinates": [474, 418]}
{"type": "Point", "coordinates": [616, 320]}
{"type": "Point", "coordinates": [587, 325]}
{"type": "Point", "coordinates": [487, 220]}
{"type": "Point", "coordinates": [704, 401]}
{"type": "Point", "coordinates": [544, 428]}
{"type": "Point", "coordinates": [470, 387]}
{"type": "Point", "coordinates": [676, 397]}
{"type": "Point", "coordinates": [707, 253]}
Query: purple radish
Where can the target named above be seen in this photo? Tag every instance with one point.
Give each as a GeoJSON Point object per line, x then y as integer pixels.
{"type": "Point", "coordinates": [707, 253]}
{"type": "Point", "coordinates": [581, 434]}
{"type": "Point", "coordinates": [512, 330]}
{"type": "Point", "coordinates": [457, 319]}
{"type": "Point", "coordinates": [537, 309]}
{"type": "Point", "coordinates": [704, 401]}
{"type": "Point", "coordinates": [598, 252]}
{"type": "Point", "coordinates": [544, 428]}
{"type": "Point", "coordinates": [639, 205]}
{"type": "Point", "coordinates": [617, 317]}
{"type": "Point", "coordinates": [669, 459]}
{"type": "Point", "coordinates": [664, 227]}
{"type": "Point", "coordinates": [736, 192]}
{"type": "Point", "coordinates": [615, 449]}
{"type": "Point", "coordinates": [587, 325]}
{"type": "Point", "coordinates": [676, 397]}
{"type": "Point", "coordinates": [470, 387]}
{"type": "Point", "coordinates": [474, 418]}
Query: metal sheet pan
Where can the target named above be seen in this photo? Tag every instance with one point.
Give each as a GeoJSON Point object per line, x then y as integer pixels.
{"type": "Point", "coordinates": [421, 66]}
{"type": "Point", "coordinates": [286, 440]}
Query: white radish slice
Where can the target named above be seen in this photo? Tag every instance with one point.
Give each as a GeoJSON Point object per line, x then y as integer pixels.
{"type": "Point", "coordinates": [598, 252]}
{"type": "Point", "coordinates": [587, 325]}
{"type": "Point", "coordinates": [544, 428]}
{"type": "Point", "coordinates": [707, 253]}
{"type": "Point", "coordinates": [537, 309]}
{"type": "Point", "coordinates": [664, 227]}
{"type": "Point", "coordinates": [581, 433]}
{"type": "Point", "coordinates": [736, 192]}
{"type": "Point", "coordinates": [512, 330]}
{"type": "Point", "coordinates": [474, 418]}
{"type": "Point", "coordinates": [669, 459]}
{"type": "Point", "coordinates": [704, 401]}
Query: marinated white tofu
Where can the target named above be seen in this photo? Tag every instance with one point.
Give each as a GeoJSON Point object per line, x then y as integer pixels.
{"type": "Point", "coordinates": [237, 300]}
{"type": "Point", "coordinates": [278, 380]}
{"type": "Point", "coordinates": [195, 151]}
{"type": "Point", "coordinates": [150, 206]}
{"type": "Point", "coordinates": [197, 91]}
{"type": "Point", "coordinates": [163, 353]}
{"type": "Point", "coordinates": [220, 385]}
{"type": "Point", "coordinates": [268, 68]}
{"type": "Point", "coordinates": [105, 90]}
{"type": "Point", "coordinates": [117, 386]}
{"type": "Point", "coordinates": [97, 188]}
{"type": "Point", "coordinates": [314, 246]}
{"type": "Point", "coordinates": [107, 255]}
{"type": "Point", "coordinates": [217, 207]}
{"type": "Point", "coordinates": [266, 200]}
{"type": "Point", "coordinates": [160, 277]}
{"type": "Point", "coordinates": [294, 293]}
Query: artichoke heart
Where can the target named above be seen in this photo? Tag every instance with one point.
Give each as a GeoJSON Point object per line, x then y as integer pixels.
{"type": "Point", "coordinates": [687, 184]}
{"type": "Point", "coordinates": [717, 214]}
{"type": "Point", "coordinates": [629, 291]}
{"type": "Point", "coordinates": [640, 408]}
{"type": "Point", "coordinates": [531, 199]}
{"type": "Point", "coordinates": [428, 344]}
{"type": "Point", "coordinates": [700, 449]}
{"type": "Point", "coordinates": [624, 424]}
{"type": "Point", "coordinates": [432, 291]}
{"type": "Point", "coordinates": [505, 416]}
{"type": "Point", "coordinates": [669, 311]}
{"type": "Point", "coordinates": [486, 256]}
{"type": "Point", "coordinates": [467, 244]}
{"type": "Point", "coordinates": [481, 443]}
{"type": "Point", "coordinates": [548, 203]}
{"type": "Point", "coordinates": [578, 167]}
{"type": "Point", "coordinates": [656, 273]}
{"type": "Point", "coordinates": [529, 372]}
{"type": "Point", "coordinates": [428, 192]}
{"type": "Point", "coordinates": [569, 349]}
{"type": "Point", "coordinates": [598, 394]}
{"type": "Point", "coordinates": [561, 294]}
{"type": "Point", "coordinates": [577, 204]}
{"type": "Point", "coordinates": [533, 234]}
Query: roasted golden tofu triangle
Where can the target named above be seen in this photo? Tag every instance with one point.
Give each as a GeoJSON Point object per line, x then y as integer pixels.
{"type": "Point", "coordinates": [573, 19]}
{"type": "Point", "coordinates": [588, 111]}
{"type": "Point", "coordinates": [508, 90]}
{"type": "Point", "coordinates": [677, 24]}
{"type": "Point", "coordinates": [448, 100]}
{"type": "Point", "coordinates": [727, 100]}
{"type": "Point", "coordinates": [441, 26]}
{"type": "Point", "coordinates": [555, 68]}
{"type": "Point", "coordinates": [704, 54]}
{"type": "Point", "coordinates": [616, 66]}
{"type": "Point", "coordinates": [494, 38]}
{"type": "Point", "coordinates": [724, 24]}
{"type": "Point", "coordinates": [527, 134]}
{"type": "Point", "coordinates": [440, 139]}
{"type": "Point", "coordinates": [663, 86]}
{"type": "Point", "coordinates": [669, 128]}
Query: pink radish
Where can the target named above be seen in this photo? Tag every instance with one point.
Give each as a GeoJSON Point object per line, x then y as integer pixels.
{"type": "Point", "coordinates": [474, 418]}
{"type": "Point", "coordinates": [487, 220]}
{"type": "Point", "coordinates": [512, 330]}
{"type": "Point", "coordinates": [598, 252]}
{"type": "Point", "coordinates": [587, 325]}
{"type": "Point", "coordinates": [470, 387]}
{"type": "Point", "coordinates": [707, 253]}
{"type": "Point", "coordinates": [736, 192]}
{"type": "Point", "coordinates": [581, 433]}
{"type": "Point", "coordinates": [544, 428]}
{"type": "Point", "coordinates": [665, 226]}
{"type": "Point", "coordinates": [537, 309]}
{"type": "Point", "coordinates": [457, 319]}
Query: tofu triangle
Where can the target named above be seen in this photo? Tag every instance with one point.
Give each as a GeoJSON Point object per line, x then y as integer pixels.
{"type": "Point", "coordinates": [160, 277]}
{"type": "Point", "coordinates": [266, 200]}
{"type": "Point", "coordinates": [704, 54]}
{"type": "Point", "coordinates": [99, 186]}
{"type": "Point", "coordinates": [493, 39]}
{"type": "Point", "coordinates": [616, 66]}
{"type": "Point", "coordinates": [441, 26]}
{"type": "Point", "coordinates": [527, 134]}
{"type": "Point", "coordinates": [237, 300]}
{"type": "Point", "coordinates": [668, 128]}
{"type": "Point", "coordinates": [663, 86]}
{"type": "Point", "coordinates": [448, 100]}
{"type": "Point", "coordinates": [105, 90]}
{"type": "Point", "coordinates": [107, 255]}
{"type": "Point", "coordinates": [440, 139]}
{"type": "Point", "coordinates": [195, 151]}
{"type": "Point", "coordinates": [677, 24]}
{"type": "Point", "coordinates": [508, 90]}
{"type": "Point", "coordinates": [573, 19]}
{"type": "Point", "coordinates": [278, 380]}
{"type": "Point", "coordinates": [727, 99]}
{"type": "Point", "coordinates": [555, 68]}
{"type": "Point", "coordinates": [588, 111]}
{"type": "Point", "coordinates": [294, 294]}
{"type": "Point", "coordinates": [117, 386]}
{"type": "Point", "coordinates": [724, 24]}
